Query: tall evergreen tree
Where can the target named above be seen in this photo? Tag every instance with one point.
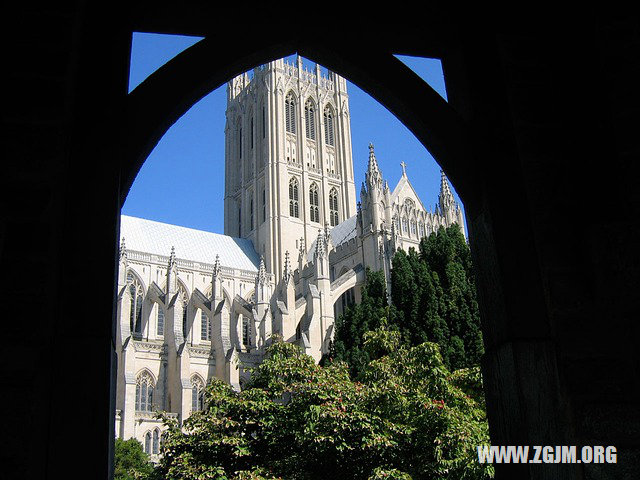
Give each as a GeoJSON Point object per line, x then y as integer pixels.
{"type": "Point", "coordinates": [359, 319]}
{"type": "Point", "coordinates": [433, 299]}
{"type": "Point", "coordinates": [447, 254]}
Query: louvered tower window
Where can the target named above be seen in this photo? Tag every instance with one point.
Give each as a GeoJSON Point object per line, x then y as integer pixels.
{"type": "Point", "coordinates": [309, 120]}
{"type": "Point", "coordinates": [328, 127]}
{"type": "Point", "coordinates": [290, 114]}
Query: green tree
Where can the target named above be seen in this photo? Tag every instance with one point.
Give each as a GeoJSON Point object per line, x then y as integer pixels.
{"type": "Point", "coordinates": [130, 460]}
{"type": "Point", "coordinates": [447, 255]}
{"type": "Point", "coordinates": [407, 418]}
{"type": "Point", "coordinates": [350, 327]}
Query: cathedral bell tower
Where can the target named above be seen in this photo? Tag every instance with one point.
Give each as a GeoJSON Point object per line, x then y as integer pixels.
{"type": "Point", "coordinates": [288, 157]}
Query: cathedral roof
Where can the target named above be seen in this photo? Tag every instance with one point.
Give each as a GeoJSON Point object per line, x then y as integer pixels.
{"type": "Point", "coordinates": [343, 232]}
{"type": "Point", "coordinates": [196, 245]}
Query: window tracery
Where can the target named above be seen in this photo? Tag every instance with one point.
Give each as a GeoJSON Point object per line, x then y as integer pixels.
{"type": "Point", "coordinates": [136, 293]}
{"type": "Point", "coordinates": [309, 120]}
{"type": "Point", "coordinates": [333, 207]}
{"type": "Point", "coordinates": [145, 386]}
{"type": "Point", "coordinates": [328, 127]}
{"type": "Point", "coordinates": [314, 203]}
{"type": "Point", "coordinates": [197, 394]}
{"type": "Point", "coordinates": [290, 113]}
{"type": "Point", "coordinates": [294, 198]}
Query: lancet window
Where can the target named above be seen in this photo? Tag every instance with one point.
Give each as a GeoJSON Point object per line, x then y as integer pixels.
{"type": "Point", "coordinates": [147, 443]}
{"type": "Point", "coordinates": [290, 113]}
{"type": "Point", "coordinates": [328, 127]}
{"type": "Point", "coordinates": [294, 198]}
{"type": "Point", "coordinates": [182, 292]}
{"type": "Point", "coordinates": [314, 203]}
{"type": "Point", "coordinates": [205, 326]}
{"type": "Point", "coordinates": [309, 120]}
{"type": "Point", "coordinates": [144, 392]}
{"type": "Point", "coordinates": [156, 442]}
{"type": "Point", "coordinates": [197, 394]}
{"type": "Point", "coordinates": [245, 331]}
{"type": "Point", "coordinates": [333, 207]}
{"type": "Point", "coordinates": [160, 320]}
{"type": "Point", "coordinates": [136, 293]}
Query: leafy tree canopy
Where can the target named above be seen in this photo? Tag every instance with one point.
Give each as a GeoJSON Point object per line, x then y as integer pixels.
{"type": "Point", "coordinates": [408, 417]}
{"type": "Point", "coordinates": [130, 460]}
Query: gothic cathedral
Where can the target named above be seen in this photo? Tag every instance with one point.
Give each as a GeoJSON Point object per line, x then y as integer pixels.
{"type": "Point", "coordinates": [193, 304]}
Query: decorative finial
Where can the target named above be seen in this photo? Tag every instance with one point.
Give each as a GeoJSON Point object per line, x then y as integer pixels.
{"type": "Point", "coordinates": [172, 258]}
{"type": "Point", "coordinates": [123, 251]}
{"type": "Point", "coordinates": [287, 274]}
{"type": "Point", "coordinates": [216, 267]}
{"type": "Point", "coordinates": [404, 168]}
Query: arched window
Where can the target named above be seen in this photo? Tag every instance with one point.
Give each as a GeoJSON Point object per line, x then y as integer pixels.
{"type": "Point", "coordinates": [205, 330]}
{"type": "Point", "coordinates": [410, 204]}
{"type": "Point", "coordinates": [264, 205]}
{"type": "Point", "coordinates": [156, 442]}
{"type": "Point", "coordinates": [413, 227]}
{"type": "Point", "coordinates": [405, 225]}
{"type": "Point", "coordinates": [147, 443]}
{"type": "Point", "coordinates": [184, 298]}
{"type": "Point", "coordinates": [160, 321]}
{"type": "Point", "coordinates": [333, 207]}
{"type": "Point", "coordinates": [137, 296]}
{"type": "Point", "coordinates": [421, 229]}
{"type": "Point", "coordinates": [314, 203]}
{"type": "Point", "coordinates": [290, 113]}
{"type": "Point", "coordinates": [328, 127]}
{"type": "Point", "coordinates": [197, 394]}
{"type": "Point", "coordinates": [309, 120]}
{"type": "Point", "coordinates": [144, 392]}
{"type": "Point", "coordinates": [293, 198]}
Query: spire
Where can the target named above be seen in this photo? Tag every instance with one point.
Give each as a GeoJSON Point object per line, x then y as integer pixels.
{"type": "Point", "coordinates": [373, 176]}
{"type": "Point", "coordinates": [262, 273]}
{"type": "Point", "coordinates": [320, 245]}
{"type": "Point", "coordinates": [445, 198]}
{"type": "Point", "coordinates": [373, 163]}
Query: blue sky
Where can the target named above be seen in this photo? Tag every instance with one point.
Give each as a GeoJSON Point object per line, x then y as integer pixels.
{"type": "Point", "coordinates": [181, 181]}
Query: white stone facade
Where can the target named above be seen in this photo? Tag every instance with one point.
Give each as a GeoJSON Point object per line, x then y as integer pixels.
{"type": "Point", "coordinates": [193, 305]}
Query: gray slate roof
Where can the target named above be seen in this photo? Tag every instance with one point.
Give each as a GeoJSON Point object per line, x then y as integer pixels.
{"type": "Point", "coordinates": [343, 232]}
{"type": "Point", "coordinates": [196, 245]}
